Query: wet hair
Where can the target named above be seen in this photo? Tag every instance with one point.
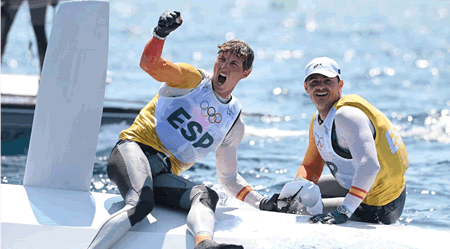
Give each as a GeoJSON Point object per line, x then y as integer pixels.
{"type": "Point", "coordinates": [241, 49]}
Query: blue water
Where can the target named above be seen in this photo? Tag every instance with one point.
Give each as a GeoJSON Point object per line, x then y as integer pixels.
{"type": "Point", "coordinates": [396, 54]}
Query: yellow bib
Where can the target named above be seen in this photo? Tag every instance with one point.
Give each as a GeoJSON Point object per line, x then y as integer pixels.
{"type": "Point", "coordinates": [143, 129]}
{"type": "Point", "coordinates": [391, 151]}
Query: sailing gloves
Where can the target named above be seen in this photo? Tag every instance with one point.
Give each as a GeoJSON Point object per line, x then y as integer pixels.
{"type": "Point", "coordinates": [211, 244]}
{"type": "Point", "coordinates": [168, 22]}
{"type": "Point", "coordinates": [269, 204]}
{"type": "Point", "coordinates": [333, 217]}
{"type": "Point", "coordinates": [272, 205]}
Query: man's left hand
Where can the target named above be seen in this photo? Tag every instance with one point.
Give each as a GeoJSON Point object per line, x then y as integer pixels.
{"type": "Point", "coordinates": [333, 217]}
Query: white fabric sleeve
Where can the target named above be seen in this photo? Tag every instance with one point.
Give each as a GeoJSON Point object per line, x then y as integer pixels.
{"type": "Point", "coordinates": [226, 163]}
{"type": "Point", "coordinates": [355, 131]}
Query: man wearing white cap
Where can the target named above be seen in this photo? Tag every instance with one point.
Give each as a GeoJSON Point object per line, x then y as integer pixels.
{"type": "Point", "coordinates": [363, 150]}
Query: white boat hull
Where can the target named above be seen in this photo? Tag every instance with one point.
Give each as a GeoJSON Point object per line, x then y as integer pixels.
{"type": "Point", "coordinates": [50, 218]}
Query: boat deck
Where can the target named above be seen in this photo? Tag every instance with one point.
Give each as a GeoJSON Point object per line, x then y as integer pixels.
{"type": "Point", "coordinates": [35, 217]}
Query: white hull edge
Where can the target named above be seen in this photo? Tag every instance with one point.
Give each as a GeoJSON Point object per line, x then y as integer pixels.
{"type": "Point", "coordinates": [51, 218]}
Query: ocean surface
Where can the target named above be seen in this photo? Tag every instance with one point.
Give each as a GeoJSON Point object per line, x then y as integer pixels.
{"type": "Point", "coordinates": [395, 54]}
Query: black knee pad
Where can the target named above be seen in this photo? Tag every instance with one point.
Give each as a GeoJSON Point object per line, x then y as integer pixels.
{"type": "Point", "coordinates": [208, 197]}
{"type": "Point", "coordinates": [144, 206]}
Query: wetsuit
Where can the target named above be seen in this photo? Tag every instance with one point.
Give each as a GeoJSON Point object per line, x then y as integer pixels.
{"type": "Point", "coordinates": [184, 122]}
{"type": "Point", "coordinates": [367, 159]}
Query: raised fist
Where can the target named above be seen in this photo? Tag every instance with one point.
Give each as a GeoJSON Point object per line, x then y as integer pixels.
{"type": "Point", "coordinates": [168, 22]}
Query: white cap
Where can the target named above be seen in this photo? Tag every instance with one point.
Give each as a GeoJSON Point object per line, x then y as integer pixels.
{"type": "Point", "coordinates": [323, 65]}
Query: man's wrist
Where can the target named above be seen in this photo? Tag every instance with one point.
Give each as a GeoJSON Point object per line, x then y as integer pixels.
{"type": "Point", "coordinates": [155, 34]}
{"type": "Point", "coordinates": [262, 202]}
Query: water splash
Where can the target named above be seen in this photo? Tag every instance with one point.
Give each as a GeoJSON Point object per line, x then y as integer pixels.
{"type": "Point", "coordinates": [436, 127]}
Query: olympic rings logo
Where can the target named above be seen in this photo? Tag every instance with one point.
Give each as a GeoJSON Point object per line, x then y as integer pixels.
{"type": "Point", "coordinates": [213, 117]}
{"type": "Point", "coordinates": [319, 141]}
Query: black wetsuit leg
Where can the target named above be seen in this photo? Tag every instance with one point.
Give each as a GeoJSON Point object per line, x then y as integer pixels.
{"type": "Point", "coordinates": [330, 188]}
{"type": "Point", "coordinates": [138, 168]}
{"type": "Point", "coordinates": [179, 193]}
{"type": "Point", "coordinates": [129, 168]}
{"type": "Point", "coordinates": [173, 191]}
{"type": "Point", "coordinates": [144, 176]}
{"type": "Point", "coordinates": [38, 22]}
{"type": "Point", "coordinates": [8, 15]}
{"type": "Point", "coordinates": [332, 193]}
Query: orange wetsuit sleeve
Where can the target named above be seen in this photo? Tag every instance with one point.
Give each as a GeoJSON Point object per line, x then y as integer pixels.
{"type": "Point", "coordinates": [174, 75]}
{"type": "Point", "coordinates": [312, 165]}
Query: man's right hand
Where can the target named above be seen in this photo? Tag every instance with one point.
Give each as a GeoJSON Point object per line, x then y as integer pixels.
{"type": "Point", "coordinates": [168, 22]}
{"type": "Point", "coordinates": [269, 204]}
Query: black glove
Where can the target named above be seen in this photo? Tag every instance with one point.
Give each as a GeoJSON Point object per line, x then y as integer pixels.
{"type": "Point", "coordinates": [269, 204]}
{"type": "Point", "coordinates": [333, 217]}
{"type": "Point", "coordinates": [168, 22]}
{"type": "Point", "coordinates": [211, 244]}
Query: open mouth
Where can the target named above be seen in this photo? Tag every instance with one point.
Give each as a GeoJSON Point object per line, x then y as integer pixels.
{"type": "Point", "coordinates": [321, 94]}
{"type": "Point", "coordinates": [222, 79]}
